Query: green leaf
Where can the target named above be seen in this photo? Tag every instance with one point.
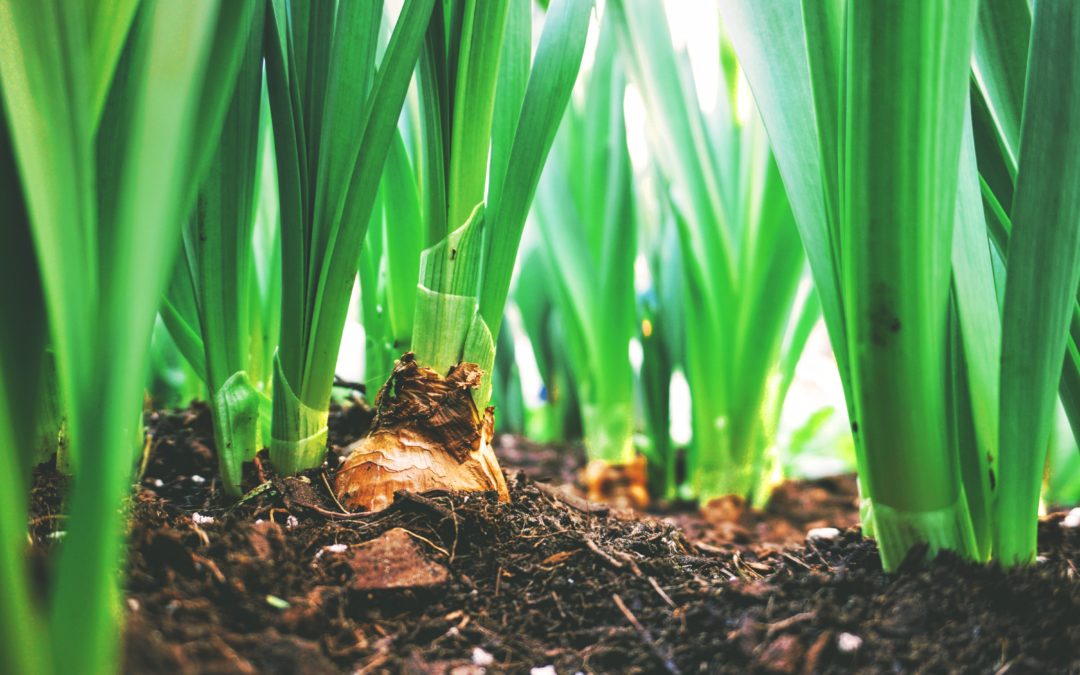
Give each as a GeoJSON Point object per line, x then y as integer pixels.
{"type": "Point", "coordinates": [555, 68]}
{"type": "Point", "coordinates": [1044, 270]}
{"type": "Point", "coordinates": [907, 87]}
{"type": "Point", "coordinates": [330, 159]}
{"type": "Point", "coordinates": [999, 64]}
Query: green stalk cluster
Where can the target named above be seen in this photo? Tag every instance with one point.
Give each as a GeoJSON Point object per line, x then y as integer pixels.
{"type": "Point", "coordinates": [943, 233]}
{"type": "Point", "coordinates": [461, 179]}
{"type": "Point", "coordinates": [740, 256]}
{"type": "Point", "coordinates": [111, 114]}
{"type": "Point", "coordinates": [585, 213]}
{"type": "Point", "coordinates": [334, 108]}
{"type": "Point", "coordinates": [217, 305]}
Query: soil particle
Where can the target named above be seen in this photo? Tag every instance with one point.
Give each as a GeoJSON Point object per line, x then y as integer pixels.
{"type": "Point", "coordinates": [542, 582]}
{"type": "Point", "coordinates": [391, 561]}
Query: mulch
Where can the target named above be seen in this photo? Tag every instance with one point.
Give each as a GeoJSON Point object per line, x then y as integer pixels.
{"type": "Point", "coordinates": [284, 582]}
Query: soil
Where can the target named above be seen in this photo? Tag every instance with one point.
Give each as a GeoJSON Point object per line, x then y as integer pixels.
{"type": "Point", "coordinates": [284, 582]}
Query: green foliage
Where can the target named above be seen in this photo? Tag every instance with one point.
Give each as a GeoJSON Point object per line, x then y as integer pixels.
{"type": "Point", "coordinates": [740, 254]}
{"type": "Point", "coordinates": [334, 111]}
{"type": "Point", "coordinates": [480, 95]}
{"type": "Point", "coordinates": [112, 130]}
{"type": "Point", "coordinates": [950, 364]}
{"type": "Point", "coordinates": [585, 213]}
{"type": "Point", "coordinates": [213, 300]}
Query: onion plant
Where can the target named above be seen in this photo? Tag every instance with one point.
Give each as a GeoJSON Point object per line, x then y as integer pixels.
{"type": "Point", "coordinates": [742, 261]}
{"type": "Point", "coordinates": [481, 94]}
{"type": "Point", "coordinates": [585, 212]}
{"type": "Point", "coordinates": [217, 305]}
{"type": "Point", "coordinates": [334, 107]}
{"type": "Point", "coordinates": [113, 110]}
{"type": "Point", "coordinates": [663, 341]}
{"type": "Point", "coordinates": [950, 344]}
{"type": "Point", "coordinates": [22, 358]}
{"type": "Point", "coordinates": [550, 404]}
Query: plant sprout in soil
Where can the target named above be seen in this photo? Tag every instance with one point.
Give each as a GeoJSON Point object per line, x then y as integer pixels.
{"type": "Point", "coordinates": [387, 305]}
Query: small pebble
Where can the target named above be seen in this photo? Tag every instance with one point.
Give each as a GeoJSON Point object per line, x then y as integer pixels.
{"type": "Point", "coordinates": [848, 643]}
{"type": "Point", "coordinates": [200, 519]}
{"type": "Point", "coordinates": [332, 548]}
{"type": "Point", "coordinates": [1040, 559]}
{"type": "Point", "coordinates": [1072, 519]}
{"type": "Point", "coordinates": [544, 670]}
{"type": "Point", "coordinates": [197, 479]}
{"type": "Point", "coordinates": [823, 534]}
{"type": "Point", "coordinates": [482, 658]}
{"type": "Point", "coordinates": [291, 522]}
{"type": "Point", "coordinates": [133, 604]}
{"type": "Point", "coordinates": [158, 482]}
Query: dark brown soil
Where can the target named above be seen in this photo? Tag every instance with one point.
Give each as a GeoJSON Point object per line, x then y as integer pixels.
{"type": "Point", "coordinates": [282, 583]}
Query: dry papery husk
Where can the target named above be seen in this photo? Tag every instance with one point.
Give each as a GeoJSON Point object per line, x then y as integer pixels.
{"type": "Point", "coordinates": [622, 484]}
{"type": "Point", "coordinates": [427, 435]}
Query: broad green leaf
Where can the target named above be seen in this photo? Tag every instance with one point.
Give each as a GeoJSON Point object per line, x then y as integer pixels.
{"type": "Point", "coordinates": [906, 87]}
{"type": "Point", "coordinates": [554, 70]}
{"type": "Point", "coordinates": [1044, 270]}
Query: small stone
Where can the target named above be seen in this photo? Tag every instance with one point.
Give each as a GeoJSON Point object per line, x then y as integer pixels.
{"type": "Point", "coordinates": [393, 561]}
{"type": "Point", "coordinates": [200, 519]}
{"type": "Point", "coordinates": [823, 534]}
{"type": "Point", "coordinates": [848, 643]}
{"type": "Point", "coordinates": [197, 479]}
{"type": "Point", "coordinates": [543, 670]}
{"type": "Point", "coordinates": [782, 655]}
{"type": "Point", "coordinates": [133, 604]}
{"type": "Point", "coordinates": [482, 658]}
{"type": "Point", "coordinates": [158, 482]}
{"type": "Point", "coordinates": [1041, 559]}
{"type": "Point", "coordinates": [291, 522]}
{"type": "Point", "coordinates": [332, 548]}
{"type": "Point", "coordinates": [1072, 519]}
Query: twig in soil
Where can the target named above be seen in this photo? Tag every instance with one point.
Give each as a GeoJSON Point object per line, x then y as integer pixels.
{"type": "Point", "coordinates": [453, 546]}
{"type": "Point", "coordinates": [209, 565]}
{"type": "Point", "coordinates": [427, 541]}
{"type": "Point", "coordinates": [405, 497]}
{"type": "Point", "coordinates": [784, 624]}
{"type": "Point", "coordinates": [558, 604]}
{"type": "Point", "coordinates": [708, 548]}
{"type": "Point", "coordinates": [595, 548]}
{"type": "Point", "coordinates": [629, 560]}
{"type": "Point", "coordinates": [660, 591]}
{"type": "Point", "coordinates": [788, 556]}
{"type": "Point", "coordinates": [264, 477]}
{"type": "Point", "coordinates": [333, 495]}
{"type": "Point", "coordinates": [646, 637]}
{"type": "Point", "coordinates": [201, 533]}
{"type": "Point", "coordinates": [573, 501]}
{"type": "Point", "coordinates": [241, 664]}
